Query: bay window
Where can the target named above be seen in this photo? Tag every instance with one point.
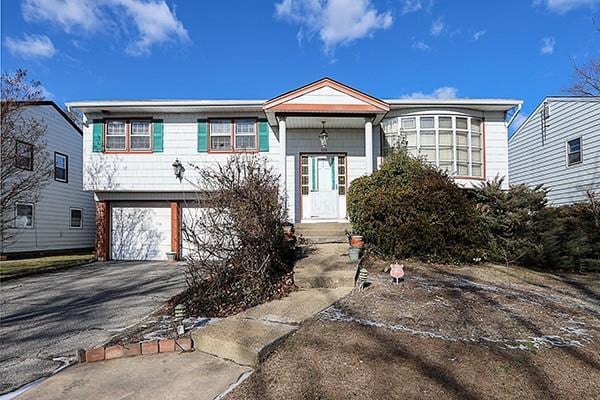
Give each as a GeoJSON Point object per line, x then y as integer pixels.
{"type": "Point", "coordinates": [452, 143]}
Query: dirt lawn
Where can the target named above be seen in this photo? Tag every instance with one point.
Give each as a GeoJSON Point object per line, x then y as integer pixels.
{"type": "Point", "coordinates": [447, 332]}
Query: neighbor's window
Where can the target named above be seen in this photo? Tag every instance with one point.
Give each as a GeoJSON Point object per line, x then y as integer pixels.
{"type": "Point", "coordinates": [76, 221]}
{"type": "Point", "coordinates": [24, 155]}
{"type": "Point", "coordinates": [139, 138]}
{"type": "Point", "coordinates": [245, 134]}
{"type": "Point", "coordinates": [452, 143]}
{"type": "Point", "coordinates": [24, 215]}
{"type": "Point", "coordinates": [116, 135]}
{"type": "Point", "coordinates": [61, 167]}
{"type": "Point", "coordinates": [574, 155]}
{"type": "Point", "coordinates": [220, 135]}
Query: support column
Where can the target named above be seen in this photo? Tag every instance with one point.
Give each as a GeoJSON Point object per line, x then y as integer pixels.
{"type": "Point", "coordinates": [369, 146]}
{"type": "Point", "coordinates": [176, 229]}
{"type": "Point", "coordinates": [283, 158]}
{"type": "Point", "coordinates": [102, 230]}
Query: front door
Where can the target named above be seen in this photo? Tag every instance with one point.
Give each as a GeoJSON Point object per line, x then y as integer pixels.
{"type": "Point", "coordinates": [323, 191]}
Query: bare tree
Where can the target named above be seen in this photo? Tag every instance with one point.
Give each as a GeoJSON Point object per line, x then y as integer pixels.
{"type": "Point", "coordinates": [587, 81]}
{"type": "Point", "coordinates": [587, 77]}
{"type": "Point", "coordinates": [236, 255]}
{"type": "Point", "coordinates": [25, 164]}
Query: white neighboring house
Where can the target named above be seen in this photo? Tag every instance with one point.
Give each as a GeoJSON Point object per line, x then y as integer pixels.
{"type": "Point", "coordinates": [559, 146]}
{"type": "Point", "coordinates": [63, 219]}
{"type": "Point", "coordinates": [132, 145]}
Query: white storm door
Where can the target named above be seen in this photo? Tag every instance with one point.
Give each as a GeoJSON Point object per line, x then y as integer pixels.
{"type": "Point", "coordinates": [323, 190]}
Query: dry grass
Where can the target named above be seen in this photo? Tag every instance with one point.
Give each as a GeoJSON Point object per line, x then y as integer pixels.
{"type": "Point", "coordinates": [447, 332]}
{"type": "Point", "coordinates": [14, 268]}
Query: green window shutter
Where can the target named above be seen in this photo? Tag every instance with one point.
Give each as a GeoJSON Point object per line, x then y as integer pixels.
{"type": "Point", "coordinates": [157, 136]}
{"type": "Point", "coordinates": [202, 136]}
{"type": "Point", "coordinates": [263, 136]}
{"type": "Point", "coordinates": [97, 136]}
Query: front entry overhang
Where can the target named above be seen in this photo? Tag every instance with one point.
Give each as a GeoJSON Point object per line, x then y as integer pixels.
{"type": "Point", "coordinates": [325, 97]}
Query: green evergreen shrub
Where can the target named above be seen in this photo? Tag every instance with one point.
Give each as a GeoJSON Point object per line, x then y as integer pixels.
{"type": "Point", "coordinates": [410, 209]}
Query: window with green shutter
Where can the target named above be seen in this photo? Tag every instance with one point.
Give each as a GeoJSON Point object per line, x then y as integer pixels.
{"type": "Point", "coordinates": [97, 136]}
{"type": "Point", "coordinates": [263, 136]}
{"type": "Point", "coordinates": [157, 136]}
{"type": "Point", "coordinates": [202, 136]}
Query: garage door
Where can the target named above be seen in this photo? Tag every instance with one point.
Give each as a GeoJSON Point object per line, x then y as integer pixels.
{"type": "Point", "coordinates": [140, 231]}
{"type": "Point", "coordinates": [189, 227]}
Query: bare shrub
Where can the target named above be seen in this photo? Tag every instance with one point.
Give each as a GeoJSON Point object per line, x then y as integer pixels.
{"type": "Point", "coordinates": [236, 256]}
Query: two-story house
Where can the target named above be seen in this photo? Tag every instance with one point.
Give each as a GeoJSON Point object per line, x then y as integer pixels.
{"type": "Point", "coordinates": [559, 146]}
{"type": "Point", "coordinates": [63, 217]}
{"type": "Point", "coordinates": [318, 138]}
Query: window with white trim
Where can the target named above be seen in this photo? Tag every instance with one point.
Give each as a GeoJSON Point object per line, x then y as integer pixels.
{"type": "Point", "coordinates": [24, 215]}
{"type": "Point", "coordinates": [245, 134]}
{"type": "Point", "coordinates": [139, 138]}
{"type": "Point", "coordinates": [24, 155]}
{"type": "Point", "coordinates": [574, 151]}
{"type": "Point", "coordinates": [452, 143]}
{"type": "Point", "coordinates": [116, 135]}
{"type": "Point", "coordinates": [220, 135]}
{"type": "Point", "coordinates": [76, 218]}
{"type": "Point", "coordinates": [61, 167]}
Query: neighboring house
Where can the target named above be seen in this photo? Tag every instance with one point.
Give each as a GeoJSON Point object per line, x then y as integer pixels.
{"type": "Point", "coordinates": [132, 145]}
{"type": "Point", "coordinates": [63, 218]}
{"type": "Point", "coordinates": [559, 146]}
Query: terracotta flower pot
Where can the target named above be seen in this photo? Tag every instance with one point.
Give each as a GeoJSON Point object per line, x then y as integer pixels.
{"type": "Point", "coordinates": [357, 241]}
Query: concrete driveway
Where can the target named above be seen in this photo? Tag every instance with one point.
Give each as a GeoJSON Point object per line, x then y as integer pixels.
{"type": "Point", "coordinates": [46, 318]}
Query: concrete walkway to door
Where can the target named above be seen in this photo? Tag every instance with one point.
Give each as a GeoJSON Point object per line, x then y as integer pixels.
{"type": "Point", "coordinates": [228, 349]}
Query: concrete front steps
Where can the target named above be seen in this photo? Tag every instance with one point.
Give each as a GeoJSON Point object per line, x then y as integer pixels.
{"type": "Point", "coordinates": [249, 337]}
{"type": "Point", "coordinates": [324, 276]}
{"type": "Point", "coordinates": [323, 232]}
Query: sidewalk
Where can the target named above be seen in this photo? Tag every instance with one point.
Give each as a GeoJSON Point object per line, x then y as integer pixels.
{"type": "Point", "coordinates": [228, 349]}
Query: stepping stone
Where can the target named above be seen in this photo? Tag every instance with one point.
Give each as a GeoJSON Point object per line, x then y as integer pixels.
{"type": "Point", "coordinates": [244, 341]}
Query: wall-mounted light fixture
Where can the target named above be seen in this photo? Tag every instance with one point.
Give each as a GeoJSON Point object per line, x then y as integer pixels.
{"type": "Point", "coordinates": [178, 169]}
{"type": "Point", "coordinates": [323, 136]}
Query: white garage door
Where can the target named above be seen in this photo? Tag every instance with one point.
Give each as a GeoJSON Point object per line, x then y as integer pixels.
{"type": "Point", "coordinates": [189, 215]}
{"type": "Point", "coordinates": [140, 231]}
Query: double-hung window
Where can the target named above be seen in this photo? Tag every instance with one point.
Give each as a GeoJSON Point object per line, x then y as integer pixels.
{"type": "Point", "coordinates": [61, 167]}
{"type": "Point", "coordinates": [24, 215]}
{"type": "Point", "coordinates": [76, 218]}
{"type": "Point", "coordinates": [139, 138]}
{"type": "Point", "coordinates": [245, 134]}
{"type": "Point", "coordinates": [24, 155]}
{"type": "Point", "coordinates": [574, 151]}
{"type": "Point", "coordinates": [116, 136]}
{"type": "Point", "coordinates": [220, 135]}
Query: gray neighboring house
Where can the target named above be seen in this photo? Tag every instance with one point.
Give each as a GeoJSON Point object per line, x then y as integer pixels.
{"type": "Point", "coordinates": [63, 219]}
{"type": "Point", "coordinates": [559, 146]}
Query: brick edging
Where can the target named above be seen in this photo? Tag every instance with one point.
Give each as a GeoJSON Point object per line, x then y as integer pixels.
{"type": "Point", "coordinates": [135, 349]}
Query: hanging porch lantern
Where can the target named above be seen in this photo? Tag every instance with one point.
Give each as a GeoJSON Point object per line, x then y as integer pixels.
{"type": "Point", "coordinates": [323, 136]}
{"type": "Point", "coordinates": [178, 169]}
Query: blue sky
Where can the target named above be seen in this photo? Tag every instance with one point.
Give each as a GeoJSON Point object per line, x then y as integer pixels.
{"type": "Point", "coordinates": [123, 49]}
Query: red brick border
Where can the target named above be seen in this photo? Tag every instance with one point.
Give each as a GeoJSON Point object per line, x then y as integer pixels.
{"type": "Point", "coordinates": [136, 349]}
